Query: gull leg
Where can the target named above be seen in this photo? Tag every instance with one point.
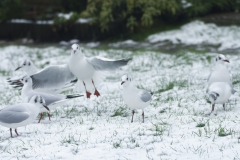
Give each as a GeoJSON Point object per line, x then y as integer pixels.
{"type": "Point", "coordinates": [40, 118]}
{"type": "Point", "coordinates": [143, 116]}
{"type": "Point", "coordinates": [211, 111]}
{"type": "Point", "coordinates": [16, 132]}
{"type": "Point", "coordinates": [224, 106]}
{"type": "Point", "coordinates": [11, 132]}
{"type": "Point", "coordinates": [96, 93]}
{"type": "Point", "coordinates": [49, 116]}
{"type": "Point", "coordinates": [132, 115]}
{"type": "Point", "coordinates": [87, 93]}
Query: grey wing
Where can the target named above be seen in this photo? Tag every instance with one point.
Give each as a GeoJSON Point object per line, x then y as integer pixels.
{"type": "Point", "coordinates": [107, 64]}
{"type": "Point", "coordinates": [145, 96]}
{"type": "Point", "coordinates": [52, 77]}
{"type": "Point", "coordinates": [51, 99]}
{"type": "Point", "coordinates": [13, 114]}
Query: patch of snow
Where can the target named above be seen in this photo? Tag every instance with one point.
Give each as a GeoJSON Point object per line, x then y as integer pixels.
{"type": "Point", "coordinates": [20, 21]}
{"type": "Point", "coordinates": [44, 21]}
{"type": "Point", "coordinates": [26, 40]}
{"type": "Point", "coordinates": [64, 43]}
{"type": "Point", "coordinates": [198, 32]}
{"type": "Point", "coordinates": [124, 43]}
{"type": "Point", "coordinates": [92, 44]}
{"type": "Point", "coordinates": [65, 15]}
{"type": "Point", "coordinates": [84, 20]}
{"type": "Point", "coordinates": [103, 125]}
{"type": "Point", "coordinates": [74, 41]}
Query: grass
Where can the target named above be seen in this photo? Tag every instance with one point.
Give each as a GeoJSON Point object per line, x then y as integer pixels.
{"type": "Point", "coordinates": [174, 123]}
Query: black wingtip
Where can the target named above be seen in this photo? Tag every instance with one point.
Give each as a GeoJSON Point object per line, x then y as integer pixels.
{"type": "Point", "coordinates": [73, 96]}
{"type": "Point", "coordinates": [74, 81]}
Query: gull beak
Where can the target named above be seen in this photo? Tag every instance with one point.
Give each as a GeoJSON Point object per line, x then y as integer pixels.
{"type": "Point", "coordinates": [122, 82]}
{"type": "Point", "coordinates": [46, 107]}
{"type": "Point", "coordinates": [74, 51]}
{"type": "Point", "coordinates": [226, 60]}
{"type": "Point", "coordinates": [17, 68]}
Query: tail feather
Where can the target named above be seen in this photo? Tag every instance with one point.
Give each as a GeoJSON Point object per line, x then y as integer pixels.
{"type": "Point", "coordinates": [73, 96]}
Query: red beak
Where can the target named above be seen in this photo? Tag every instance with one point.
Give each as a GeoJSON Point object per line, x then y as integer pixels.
{"type": "Point", "coordinates": [122, 82]}
{"type": "Point", "coordinates": [74, 51]}
{"type": "Point", "coordinates": [226, 60]}
{"type": "Point", "coordinates": [17, 68]}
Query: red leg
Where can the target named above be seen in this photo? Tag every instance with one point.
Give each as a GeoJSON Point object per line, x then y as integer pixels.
{"type": "Point", "coordinates": [132, 115]}
{"type": "Point", "coordinates": [96, 93]}
{"type": "Point", "coordinates": [16, 132]}
{"type": "Point", "coordinates": [49, 116]}
{"type": "Point", "coordinates": [40, 118]}
{"type": "Point", "coordinates": [87, 93]}
{"type": "Point", "coordinates": [11, 132]}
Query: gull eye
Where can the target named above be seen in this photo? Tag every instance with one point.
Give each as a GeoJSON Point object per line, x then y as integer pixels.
{"type": "Point", "coordinates": [127, 78]}
{"type": "Point", "coordinates": [220, 58]}
{"type": "Point", "coordinates": [24, 64]}
{"type": "Point", "coordinates": [29, 64]}
{"type": "Point", "coordinates": [35, 100]}
{"type": "Point", "coordinates": [26, 81]}
{"type": "Point", "coordinates": [77, 47]}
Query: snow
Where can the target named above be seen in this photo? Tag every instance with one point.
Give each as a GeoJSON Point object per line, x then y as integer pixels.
{"type": "Point", "coordinates": [86, 128]}
{"type": "Point", "coordinates": [84, 20]}
{"type": "Point", "coordinates": [65, 15]}
{"type": "Point", "coordinates": [123, 43]}
{"type": "Point", "coordinates": [20, 21]}
{"type": "Point", "coordinates": [198, 32]}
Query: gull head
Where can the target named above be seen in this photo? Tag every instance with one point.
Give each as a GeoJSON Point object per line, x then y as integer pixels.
{"type": "Point", "coordinates": [26, 80]}
{"type": "Point", "coordinates": [213, 97]}
{"type": "Point", "coordinates": [220, 58]}
{"type": "Point", "coordinates": [38, 101]}
{"type": "Point", "coordinates": [25, 65]}
{"type": "Point", "coordinates": [76, 49]}
{"type": "Point", "coordinates": [125, 80]}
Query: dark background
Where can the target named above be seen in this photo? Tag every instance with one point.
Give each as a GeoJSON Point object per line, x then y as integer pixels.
{"type": "Point", "coordinates": [110, 19]}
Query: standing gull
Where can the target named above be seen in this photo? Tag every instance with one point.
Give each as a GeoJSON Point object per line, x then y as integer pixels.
{"type": "Point", "coordinates": [22, 114]}
{"type": "Point", "coordinates": [88, 70]}
{"type": "Point", "coordinates": [219, 93]}
{"type": "Point", "coordinates": [60, 74]}
{"type": "Point", "coordinates": [50, 99]}
{"type": "Point", "coordinates": [135, 98]}
{"type": "Point", "coordinates": [220, 72]}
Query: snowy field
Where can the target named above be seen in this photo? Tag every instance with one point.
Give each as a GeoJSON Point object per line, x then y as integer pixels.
{"type": "Point", "coordinates": [99, 128]}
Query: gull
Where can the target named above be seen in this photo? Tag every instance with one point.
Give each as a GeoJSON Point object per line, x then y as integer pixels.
{"type": "Point", "coordinates": [22, 114]}
{"type": "Point", "coordinates": [219, 93]}
{"type": "Point", "coordinates": [220, 73]}
{"type": "Point", "coordinates": [52, 79]}
{"type": "Point", "coordinates": [51, 100]}
{"type": "Point", "coordinates": [28, 66]}
{"type": "Point", "coordinates": [135, 98]}
{"type": "Point", "coordinates": [88, 70]}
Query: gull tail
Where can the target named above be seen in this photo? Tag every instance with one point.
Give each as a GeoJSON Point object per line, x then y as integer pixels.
{"type": "Point", "coordinates": [73, 96]}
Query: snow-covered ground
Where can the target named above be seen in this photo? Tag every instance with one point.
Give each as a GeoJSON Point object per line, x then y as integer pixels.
{"type": "Point", "coordinates": [99, 128]}
{"type": "Point", "coordinates": [199, 35]}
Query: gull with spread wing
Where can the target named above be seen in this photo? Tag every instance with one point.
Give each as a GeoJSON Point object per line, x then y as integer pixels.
{"type": "Point", "coordinates": [135, 98]}
{"type": "Point", "coordinates": [22, 114]}
{"type": "Point", "coordinates": [88, 70]}
{"type": "Point", "coordinates": [58, 75]}
{"type": "Point", "coordinates": [51, 100]}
